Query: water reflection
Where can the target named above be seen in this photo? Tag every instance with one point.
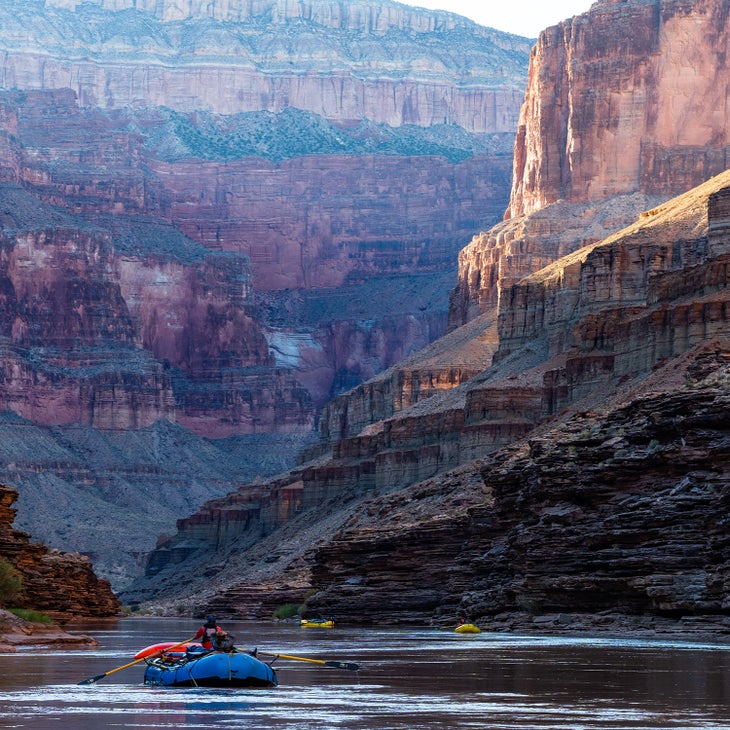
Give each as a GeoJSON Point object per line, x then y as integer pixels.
{"type": "Point", "coordinates": [409, 679]}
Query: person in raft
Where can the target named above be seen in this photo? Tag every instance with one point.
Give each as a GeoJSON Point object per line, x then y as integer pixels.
{"type": "Point", "coordinates": [207, 631]}
{"type": "Point", "coordinates": [212, 636]}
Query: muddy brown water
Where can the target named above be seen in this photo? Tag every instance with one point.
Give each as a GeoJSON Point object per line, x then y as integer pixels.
{"type": "Point", "coordinates": [409, 679]}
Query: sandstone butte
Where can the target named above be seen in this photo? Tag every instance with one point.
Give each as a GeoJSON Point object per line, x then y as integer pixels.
{"type": "Point", "coordinates": [577, 475]}
{"type": "Point", "coordinates": [177, 300]}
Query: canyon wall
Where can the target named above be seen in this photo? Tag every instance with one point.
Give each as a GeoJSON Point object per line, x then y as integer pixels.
{"type": "Point", "coordinates": [97, 335]}
{"type": "Point", "coordinates": [423, 106]}
{"type": "Point", "coordinates": [63, 585]}
{"type": "Point", "coordinates": [182, 288]}
{"type": "Point", "coordinates": [194, 303]}
{"type": "Point", "coordinates": [609, 130]}
{"type": "Point", "coordinates": [635, 364]}
{"type": "Point", "coordinates": [232, 90]}
{"type": "Point", "coordinates": [623, 110]}
{"type": "Point", "coordinates": [611, 521]}
{"type": "Point", "coordinates": [346, 61]}
{"type": "Point", "coordinates": [635, 324]}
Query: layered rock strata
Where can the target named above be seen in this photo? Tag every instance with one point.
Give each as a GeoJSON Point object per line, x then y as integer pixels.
{"type": "Point", "coordinates": [608, 314]}
{"type": "Point", "coordinates": [97, 333]}
{"type": "Point", "coordinates": [308, 213]}
{"type": "Point", "coordinates": [325, 221]}
{"type": "Point", "coordinates": [57, 583]}
{"type": "Point", "coordinates": [640, 480]}
{"type": "Point", "coordinates": [622, 111]}
{"type": "Point", "coordinates": [300, 223]}
{"type": "Point", "coordinates": [114, 154]}
{"type": "Point", "coordinates": [619, 511]}
{"type": "Point", "coordinates": [345, 61]}
{"type": "Point", "coordinates": [614, 510]}
{"type": "Point", "coordinates": [631, 291]}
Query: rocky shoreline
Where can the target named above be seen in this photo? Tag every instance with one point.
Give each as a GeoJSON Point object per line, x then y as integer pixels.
{"type": "Point", "coordinates": [17, 633]}
{"type": "Point", "coordinates": [715, 628]}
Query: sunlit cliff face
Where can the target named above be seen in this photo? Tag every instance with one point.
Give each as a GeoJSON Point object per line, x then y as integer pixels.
{"type": "Point", "coordinates": [627, 97]}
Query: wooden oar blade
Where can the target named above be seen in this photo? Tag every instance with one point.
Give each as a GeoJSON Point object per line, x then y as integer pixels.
{"type": "Point", "coordinates": [343, 665]}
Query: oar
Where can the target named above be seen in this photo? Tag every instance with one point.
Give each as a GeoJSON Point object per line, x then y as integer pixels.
{"type": "Point", "coordinates": [325, 663]}
{"type": "Point", "coordinates": [92, 680]}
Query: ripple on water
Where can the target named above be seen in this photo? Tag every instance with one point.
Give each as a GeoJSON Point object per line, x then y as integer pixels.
{"type": "Point", "coordinates": [410, 680]}
{"type": "Point", "coordinates": [315, 708]}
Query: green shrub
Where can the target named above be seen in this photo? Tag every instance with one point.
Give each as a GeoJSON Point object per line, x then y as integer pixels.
{"type": "Point", "coordinates": [11, 582]}
{"type": "Point", "coordinates": [287, 610]}
{"type": "Point", "coordinates": [28, 614]}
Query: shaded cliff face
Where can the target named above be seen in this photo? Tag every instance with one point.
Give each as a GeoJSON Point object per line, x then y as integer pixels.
{"type": "Point", "coordinates": [57, 583]}
{"type": "Point", "coordinates": [616, 515]}
{"type": "Point", "coordinates": [116, 331]}
{"type": "Point", "coordinates": [327, 221]}
{"type": "Point", "coordinates": [303, 221]}
{"type": "Point", "coordinates": [585, 339]}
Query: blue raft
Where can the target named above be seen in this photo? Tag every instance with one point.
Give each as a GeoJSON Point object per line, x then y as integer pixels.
{"type": "Point", "coordinates": [209, 669]}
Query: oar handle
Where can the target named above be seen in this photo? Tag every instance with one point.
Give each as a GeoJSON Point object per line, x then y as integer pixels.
{"type": "Point", "coordinates": [92, 680]}
{"type": "Point", "coordinates": [295, 658]}
{"type": "Point", "coordinates": [325, 663]}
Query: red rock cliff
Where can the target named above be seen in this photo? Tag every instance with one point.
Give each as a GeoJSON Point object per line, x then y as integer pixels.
{"type": "Point", "coordinates": [58, 583]}
{"type": "Point", "coordinates": [624, 108]}
{"type": "Point", "coordinates": [627, 97]}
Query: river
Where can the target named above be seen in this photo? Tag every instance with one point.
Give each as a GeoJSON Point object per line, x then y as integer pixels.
{"type": "Point", "coordinates": [408, 680]}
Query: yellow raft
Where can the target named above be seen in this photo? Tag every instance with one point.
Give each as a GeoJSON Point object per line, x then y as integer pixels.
{"type": "Point", "coordinates": [468, 629]}
{"type": "Point", "coordinates": [321, 623]}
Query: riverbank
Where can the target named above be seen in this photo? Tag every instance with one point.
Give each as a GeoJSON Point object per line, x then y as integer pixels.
{"type": "Point", "coordinates": [689, 628]}
{"type": "Point", "coordinates": [16, 632]}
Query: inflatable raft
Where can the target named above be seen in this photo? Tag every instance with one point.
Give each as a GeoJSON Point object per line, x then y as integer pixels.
{"type": "Point", "coordinates": [322, 623]}
{"type": "Point", "coordinates": [467, 629]}
{"type": "Point", "coordinates": [197, 667]}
